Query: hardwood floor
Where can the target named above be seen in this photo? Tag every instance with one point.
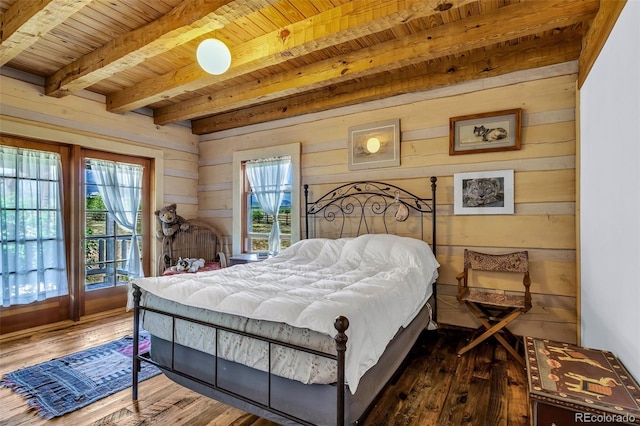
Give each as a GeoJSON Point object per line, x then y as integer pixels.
{"type": "Point", "coordinates": [483, 387]}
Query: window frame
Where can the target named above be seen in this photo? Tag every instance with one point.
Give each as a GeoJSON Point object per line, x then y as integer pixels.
{"type": "Point", "coordinates": [247, 235]}
{"type": "Point", "coordinates": [239, 190]}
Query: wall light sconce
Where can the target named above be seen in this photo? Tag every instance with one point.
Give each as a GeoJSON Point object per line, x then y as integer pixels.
{"type": "Point", "coordinates": [373, 145]}
{"type": "Point", "coordinates": [213, 56]}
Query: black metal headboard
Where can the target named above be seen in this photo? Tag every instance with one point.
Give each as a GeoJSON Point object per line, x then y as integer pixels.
{"type": "Point", "coordinates": [360, 201]}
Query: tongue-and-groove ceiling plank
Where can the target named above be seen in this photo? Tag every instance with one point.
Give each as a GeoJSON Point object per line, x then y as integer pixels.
{"type": "Point", "coordinates": [289, 57]}
{"type": "Point", "coordinates": [186, 22]}
{"type": "Point", "coordinates": [24, 22]}
{"type": "Point", "coordinates": [450, 39]}
{"type": "Point", "coordinates": [337, 25]}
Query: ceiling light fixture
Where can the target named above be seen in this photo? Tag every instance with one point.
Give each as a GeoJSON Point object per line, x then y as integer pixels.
{"type": "Point", "coordinates": [213, 56]}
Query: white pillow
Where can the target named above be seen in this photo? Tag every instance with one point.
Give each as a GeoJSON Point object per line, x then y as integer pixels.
{"type": "Point", "coordinates": [393, 249]}
{"type": "Point", "coordinates": [320, 250]}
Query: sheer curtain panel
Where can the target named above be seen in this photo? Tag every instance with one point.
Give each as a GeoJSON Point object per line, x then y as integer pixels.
{"type": "Point", "coordinates": [120, 186]}
{"type": "Point", "coordinates": [33, 262]}
{"type": "Point", "coordinates": [268, 179]}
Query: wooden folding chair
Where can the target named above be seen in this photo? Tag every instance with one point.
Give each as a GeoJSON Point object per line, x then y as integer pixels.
{"type": "Point", "coordinates": [494, 310]}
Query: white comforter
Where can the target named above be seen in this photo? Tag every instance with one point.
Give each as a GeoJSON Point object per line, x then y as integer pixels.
{"type": "Point", "coordinates": [379, 282]}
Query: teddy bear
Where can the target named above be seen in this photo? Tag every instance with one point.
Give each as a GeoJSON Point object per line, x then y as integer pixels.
{"type": "Point", "coordinates": [171, 221]}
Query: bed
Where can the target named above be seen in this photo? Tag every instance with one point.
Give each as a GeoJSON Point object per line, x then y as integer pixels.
{"type": "Point", "coordinates": [270, 337]}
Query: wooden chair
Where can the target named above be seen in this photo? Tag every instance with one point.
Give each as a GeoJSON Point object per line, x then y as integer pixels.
{"type": "Point", "coordinates": [200, 240]}
{"type": "Point", "coordinates": [494, 310]}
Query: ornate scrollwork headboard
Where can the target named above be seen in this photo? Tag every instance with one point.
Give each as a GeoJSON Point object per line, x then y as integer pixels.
{"type": "Point", "coordinates": [362, 201]}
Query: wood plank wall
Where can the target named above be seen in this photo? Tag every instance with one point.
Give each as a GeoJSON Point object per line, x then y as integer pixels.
{"type": "Point", "coordinates": [545, 190]}
{"type": "Point", "coordinates": [544, 219]}
{"type": "Point", "coordinates": [83, 120]}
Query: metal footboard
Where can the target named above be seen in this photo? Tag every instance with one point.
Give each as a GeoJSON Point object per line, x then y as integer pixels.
{"type": "Point", "coordinates": [341, 324]}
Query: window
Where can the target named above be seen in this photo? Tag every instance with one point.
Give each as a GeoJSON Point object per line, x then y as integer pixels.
{"type": "Point", "coordinates": [267, 189]}
{"type": "Point", "coordinates": [33, 262]}
{"type": "Point", "coordinates": [253, 221]}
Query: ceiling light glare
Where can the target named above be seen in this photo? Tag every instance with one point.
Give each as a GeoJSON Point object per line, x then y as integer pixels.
{"type": "Point", "coordinates": [213, 56]}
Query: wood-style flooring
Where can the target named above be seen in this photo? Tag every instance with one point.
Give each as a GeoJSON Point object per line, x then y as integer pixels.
{"type": "Point", "coordinates": [482, 387]}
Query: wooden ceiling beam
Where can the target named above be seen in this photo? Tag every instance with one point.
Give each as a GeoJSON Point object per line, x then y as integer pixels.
{"type": "Point", "coordinates": [25, 22]}
{"type": "Point", "coordinates": [451, 39]}
{"type": "Point", "coordinates": [338, 25]}
{"type": "Point", "coordinates": [597, 35]}
{"type": "Point", "coordinates": [188, 21]}
{"type": "Point", "coordinates": [479, 64]}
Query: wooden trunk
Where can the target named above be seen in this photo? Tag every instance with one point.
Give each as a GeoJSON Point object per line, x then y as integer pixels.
{"type": "Point", "coordinates": [572, 385]}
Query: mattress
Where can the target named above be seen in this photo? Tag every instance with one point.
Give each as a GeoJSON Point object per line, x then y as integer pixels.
{"type": "Point", "coordinates": [379, 282]}
{"type": "Point", "coordinates": [315, 404]}
{"type": "Point", "coordinates": [285, 362]}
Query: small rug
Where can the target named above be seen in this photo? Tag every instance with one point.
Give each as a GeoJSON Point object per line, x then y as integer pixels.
{"type": "Point", "coordinates": [66, 384]}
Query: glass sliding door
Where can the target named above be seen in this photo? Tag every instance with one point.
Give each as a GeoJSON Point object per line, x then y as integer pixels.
{"type": "Point", "coordinates": [114, 235]}
{"type": "Point", "coordinates": [70, 241]}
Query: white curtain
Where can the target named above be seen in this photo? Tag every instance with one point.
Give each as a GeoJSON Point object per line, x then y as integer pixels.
{"type": "Point", "coordinates": [33, 263]}
{"type": "Point", "coordinates": [120, 186]}
{"type": "Point", "coordinates": [268, 179]}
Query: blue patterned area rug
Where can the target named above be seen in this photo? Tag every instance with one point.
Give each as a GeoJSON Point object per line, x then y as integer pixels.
{"type": "Point", "coordinates": [66, 384]}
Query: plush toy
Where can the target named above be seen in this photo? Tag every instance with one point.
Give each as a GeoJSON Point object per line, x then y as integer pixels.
{"type": "Point", "coordinates": [171, 221]}
{"type": "Point", "coordinates": [188, 264]}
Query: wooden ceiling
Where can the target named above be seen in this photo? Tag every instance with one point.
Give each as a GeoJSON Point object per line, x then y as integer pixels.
{"type": "Point", "coordinates": [289, 57]}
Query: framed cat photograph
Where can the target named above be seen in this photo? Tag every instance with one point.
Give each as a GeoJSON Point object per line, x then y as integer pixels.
{"type": "Point", "coordinates": [483, 192]}
{"type": "Point", "coordinates": [488, 132]}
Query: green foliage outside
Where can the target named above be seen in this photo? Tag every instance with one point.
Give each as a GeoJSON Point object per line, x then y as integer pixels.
{"type": "Point", "coordinates": [261, 223]}
{"type": "Point", "coordinates": [95, 224]}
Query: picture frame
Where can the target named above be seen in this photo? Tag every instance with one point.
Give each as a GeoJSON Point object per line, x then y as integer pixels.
{"type": "Point", "coordinates": [479, 193]}
{"type": "Point", "coordinates": [487, 132]}
{"type": "Point", "coordinates": [374, 145]}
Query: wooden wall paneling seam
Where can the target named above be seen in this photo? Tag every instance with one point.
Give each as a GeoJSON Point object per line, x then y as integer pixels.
{"type": "Point", "coordinates": [328, 176]}
{"type": "Point", "coordinates": [187, 174]}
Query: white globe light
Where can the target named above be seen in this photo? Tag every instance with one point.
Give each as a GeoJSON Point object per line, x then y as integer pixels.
{"type": "Point", "coordinates": [213, 56]}
{"type": "Point", "coordinates": [373, 145]}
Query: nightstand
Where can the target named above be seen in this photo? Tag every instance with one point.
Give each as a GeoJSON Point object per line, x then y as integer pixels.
{"type": "Point", "coordinates": [571, 385]}
{"type": "Point", "coordinates": [239, 259]}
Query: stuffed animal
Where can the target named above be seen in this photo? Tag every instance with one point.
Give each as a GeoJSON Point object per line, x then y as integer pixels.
{"type": "Point", "coordinates": [171, 221]}
{"type": "Point", "coordinates": [188, 264]}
